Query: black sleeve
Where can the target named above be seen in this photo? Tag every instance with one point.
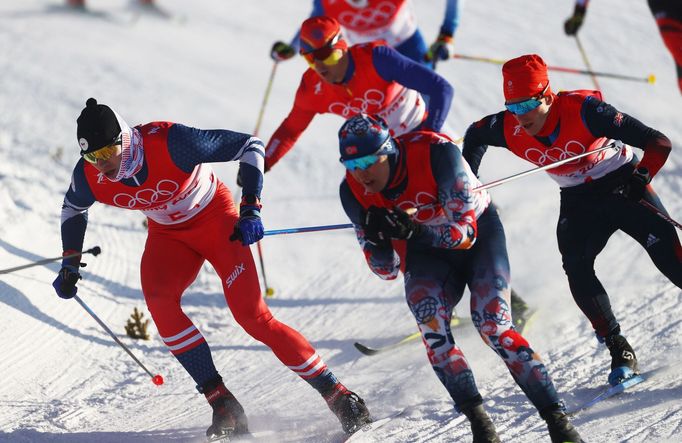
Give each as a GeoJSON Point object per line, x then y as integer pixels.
{"type": "Point", "coordinates": [604, 120]}
{"type": "Point", "coordinates": [487, 131]}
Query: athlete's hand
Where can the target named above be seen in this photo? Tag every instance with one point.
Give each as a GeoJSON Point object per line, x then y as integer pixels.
{"type": "Point", "coordinates": [249, 227]}
{"type": "Point", "coordinates": [65, 283]}
{"type": "Point", "coordinates": [398, 224]}
{"type": "Point", "coordinates": [441, 49]}
{"type": "Point", "coordinates": [281, 51]}
{"type": "Point", "coordinates": [574, 22]}
{"type": "Point", "coordinates": [636, 186]}
{"type": "Point", "coordinates": [372, 224]}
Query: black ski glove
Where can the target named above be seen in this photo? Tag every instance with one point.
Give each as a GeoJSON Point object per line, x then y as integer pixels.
{"type": "Point", "coordinates": [399, 224]}
{"type": "Point", "coordinates": [372, 225]}
{"type": "Point", "coordinates": [574, 22]}
{"type": "Point", "coordinates": [636, 185]}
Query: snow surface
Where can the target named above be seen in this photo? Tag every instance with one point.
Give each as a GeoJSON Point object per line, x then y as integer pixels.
{"type": "Point", "coordinates": [65, 380]}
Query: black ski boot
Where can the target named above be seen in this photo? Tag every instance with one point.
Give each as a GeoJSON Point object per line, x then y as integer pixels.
{"type": "Point", "coordinates": [623, 359]}
{"type": "Point", "coordinates": [482, 427]}
{"type": "Point", "coordinates": [560, 429]}
{"type": "Point", "coordinates": [228, 415]}
{"type": "Point", "coordinates": [349, 408]}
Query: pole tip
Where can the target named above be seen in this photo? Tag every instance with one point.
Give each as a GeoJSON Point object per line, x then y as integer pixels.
{"type": "Point", "coordinates": [651, 79]}
{"type": "Point", "coordinates": [269, 292]}
{"type": "Point", "coordinates": [96, 250]}
{"type": "Point", "coordinates": [157, 380]}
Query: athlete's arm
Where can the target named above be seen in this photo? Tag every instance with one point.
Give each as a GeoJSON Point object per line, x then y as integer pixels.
{"type": "Point", "coordinates": [288, 132]}
{"type": "Point", "coordinates": [487, 131]}
{"type": "Point", "coordinates": [383, 261]}
{"type": "Point", "coordinates": [604, 120]}
{"type": "Point", "coordinates": [78, 199]}
{"type": "Point", "coordinates": [456, 198]}
{"type": "Point", "coordinates": [451, 19]}
{"type": "Point", "coordinates": [393, 66]}
{"type": "Point", "coordinates": [189, 147]}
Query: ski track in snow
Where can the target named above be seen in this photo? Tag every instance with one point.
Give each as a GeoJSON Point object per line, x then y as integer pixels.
{"type": "Point", "coordinates": [65, 380]}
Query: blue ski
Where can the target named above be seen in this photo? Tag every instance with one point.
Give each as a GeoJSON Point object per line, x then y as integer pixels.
{"type": "Point", "coordinates": [608, 393]}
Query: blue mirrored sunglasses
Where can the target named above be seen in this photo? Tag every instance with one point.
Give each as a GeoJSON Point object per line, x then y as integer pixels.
{"type": "Point", "coordinates": [526, 106]}
{"type": "Point", "coordinates": [360, 162]}
{"type": "Point", "coordinates": [523, 107]}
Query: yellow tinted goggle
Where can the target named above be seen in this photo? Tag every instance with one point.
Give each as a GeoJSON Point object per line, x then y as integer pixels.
{"type": "Point", "coordinates": [104, 153]}
{"type": "Point", "coordinates": [330, 60]}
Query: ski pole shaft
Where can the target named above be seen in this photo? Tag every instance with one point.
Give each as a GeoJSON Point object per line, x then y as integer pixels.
{"type": "Point", "coordinates": [661, 214]}
{"type": "Point", "coordinates": [651, 78]}
{"type": "Point", "coordinates": [588, 65]}
{"type": "Point", "coordinates": [544, 168]}
{"type": "Point", "coordinates": [156, 379]}
{"type": "Point", "coordinates": [308, 229]}
{"type": "Point", "coordinates": [268, 290]}
{"type": "Point", "coordinates": [94, 251]}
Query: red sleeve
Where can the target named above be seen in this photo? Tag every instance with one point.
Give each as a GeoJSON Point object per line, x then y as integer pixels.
{"type": "Point", "coordinates": [286, 135]}
{"type": "Point", "coordinates": [656, 153]}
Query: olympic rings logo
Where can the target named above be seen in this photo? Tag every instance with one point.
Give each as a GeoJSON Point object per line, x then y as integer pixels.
{"type": "Point", "coordinates": [146, 198]}
{"type": "Point", "coordinates": [367, 17]}
{"type": "Point", "coordinates": [372, 97]}
{"type": "Point", "coordinates": [554, 154]}
{"type": "Point", "coordinates": [426, 209]}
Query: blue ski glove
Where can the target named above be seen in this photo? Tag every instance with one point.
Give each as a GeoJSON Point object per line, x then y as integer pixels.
{"type": "Point", "coordinates": [281, 51]}
{"type": "Point", "coordinates": [65, 283]}
{"type": "Point", "coordinates": [249, 228]}
{"type": "Point", "coordinates": [636, 185]}
{"type": "Point", "coordinates": [441, 49]}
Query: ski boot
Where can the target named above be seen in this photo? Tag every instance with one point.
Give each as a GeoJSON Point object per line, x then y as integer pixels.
{"type": "Point", "coordinates": [482, 427]}
{"type": "Point", "coordinates": [623, 359]}
{"type": "Point", "coordinates": [519, 311]}
{"type": "Point", "coordinates": [560, 429]}
{"type": "Point", "coordinates": [228, 415]}
{"type": "Point", "coordinates": [349, 408]}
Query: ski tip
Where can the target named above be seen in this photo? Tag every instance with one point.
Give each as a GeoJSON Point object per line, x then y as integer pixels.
{"type": "Point", "coordinates": [364, 349]}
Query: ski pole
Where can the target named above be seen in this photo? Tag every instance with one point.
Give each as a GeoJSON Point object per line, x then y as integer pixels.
{"type": "Point", "coordinates": [651, 78]}
{"type": "Point", "coordinates": [587, 62]}
{"type": "Point", "coordinates": [269, 291]}
{"type": "Point", "coordinates": [156, 379]}
{"type": "Point", "coordinates": [308, 229]}
{"type": "Point", "coordinates": [661, 214]}
{"type": "Point", "coordinates": [546, 167]}
{"type": "Point", "coordinates": [94, 251]}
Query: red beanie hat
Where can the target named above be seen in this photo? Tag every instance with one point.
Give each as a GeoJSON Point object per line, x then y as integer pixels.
{"type": "Point", "coordinates": [525, 76]}
{"type": "Point", "coordinates": [316, 32]}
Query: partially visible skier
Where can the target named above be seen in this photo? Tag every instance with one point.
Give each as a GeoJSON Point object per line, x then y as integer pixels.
{"type": "Point", "coordinates": [393, 21]}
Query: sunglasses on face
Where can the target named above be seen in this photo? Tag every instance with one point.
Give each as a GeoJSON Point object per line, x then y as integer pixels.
{"type": "Point", "coordinates": [361, 163]}
{"type": "Point", "coordinates": [526, 106]}
{"type": "Point", "coordinates": [328, 54]}
{"type": "Point", "coordinates": [104, 153]}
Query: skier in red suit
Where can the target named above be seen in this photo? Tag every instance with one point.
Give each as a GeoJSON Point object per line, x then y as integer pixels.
{"type": "Point", "coordinates": [161, 169]}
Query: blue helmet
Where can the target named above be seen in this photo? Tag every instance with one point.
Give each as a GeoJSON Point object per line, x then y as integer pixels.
{"type": "Point", "coordinates": [363, 135]}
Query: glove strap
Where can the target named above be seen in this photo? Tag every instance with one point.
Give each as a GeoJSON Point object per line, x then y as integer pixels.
{"type": "Point", "coordinates": [250, 206]}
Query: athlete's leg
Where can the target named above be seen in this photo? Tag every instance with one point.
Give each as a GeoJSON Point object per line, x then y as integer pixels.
{"type": "Point", "coordinates": [671, 32]}
{"type": "Point", "coordinates": [583, 229]}
{"type": "Point", "coordinates": [489, 283]}
{"type": "Point", "coordinates": [168, 267]}
{"type": "Point", "coordinates": [425, 290]}
{"type": "Point", "coordinates": [656, 235]}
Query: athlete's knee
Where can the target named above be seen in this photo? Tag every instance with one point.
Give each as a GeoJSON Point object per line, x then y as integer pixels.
{"type": "Point", "coordinates": [576, 265]}
{"type": "Point", "coordinates": [258, 325]}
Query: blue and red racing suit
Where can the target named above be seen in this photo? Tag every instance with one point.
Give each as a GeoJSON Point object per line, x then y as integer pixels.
{"type": "Point", "coordinates": [461, 243]}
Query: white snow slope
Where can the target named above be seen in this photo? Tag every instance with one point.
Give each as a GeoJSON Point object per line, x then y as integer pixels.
{"type": "Point", "coordinates": [63, 379]}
